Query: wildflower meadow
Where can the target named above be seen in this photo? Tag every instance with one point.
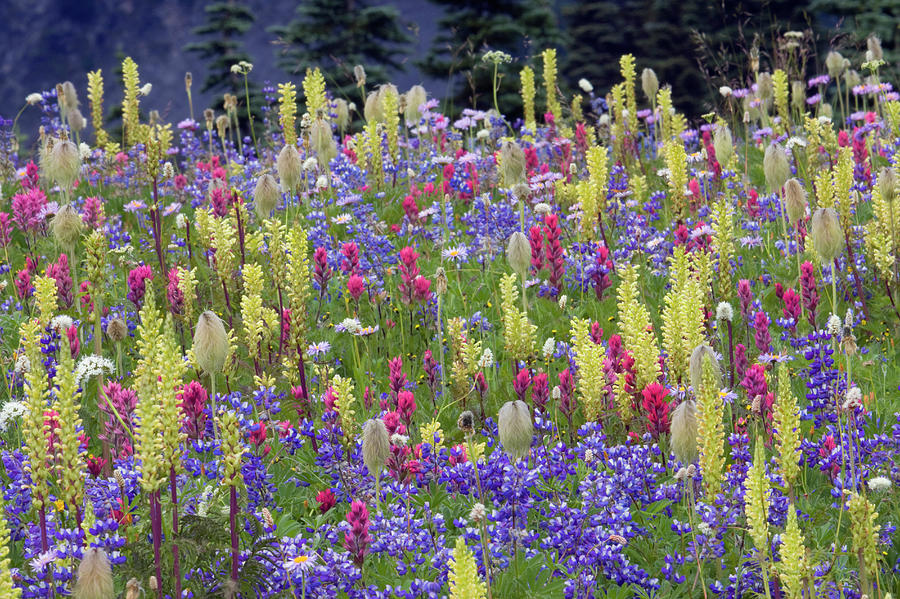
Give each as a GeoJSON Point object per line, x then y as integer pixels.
{"type": "Point", "coordinates": [382, 349]}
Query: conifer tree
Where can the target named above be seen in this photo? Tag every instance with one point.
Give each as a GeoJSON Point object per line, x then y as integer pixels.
{"type": "Point", "coordinates": [520, 28]}
{"type": "Point", "coordinates": [226, 23]}
{"type": "Point", "coordinates": [337, 35]}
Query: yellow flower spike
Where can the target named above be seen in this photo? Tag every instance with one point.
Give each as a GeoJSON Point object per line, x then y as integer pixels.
{"type": "Point", "coordinates": [287, 111]}
{"type": "Point", "coordinates": [792, 567]}
{"type": "Point", "coordinates": [526, 77]}
{"type": "Point", "coordinates": [549, 59]}
{"type": "Point", "coordinates": [7, 589]}
{"type": "Point", "coordinates": [864, 533]}
{"type": "Point", "coordinates": [71, 474]}
{"type": "Point", "coordinates": [781, 92]}
{"type": "Point", "coordinates": [787, 428]}
{"type": "Point", "coordinates": [391, 107]}
{"type": "Point", "coordinates": [464, 580]}
{"type": "Point", "coordinates": [723, 246]}
{"type": "Point", "coordinates": [519, 335]}
{"type": "Point", "coordinates": [131, 103]}
{"type": "Point", "coordinates": [629, 75]}
{"type": "Point", "coordinates": [589, 358]}
{"type": "Point", "coordinates": [314, 91]}
{"type": "Point", "coordinates": [95, 95]}
{"type": "Point", "coordinates": [253, 314]}
{"type": "Point", "coordinates": [710, 430]}
{"type": "Point", "coordinates": [232, 449]}
{"type": "Point", "coordinates": [35, 432]}
{"type": "Point", "coordinates": [634, 327]}
{"type": "Point", "coordinates": [676, 163]}
{"type": "Point", "coordinates": [756, 502]}
{"type": "Point", "coordinates": [45, 298]}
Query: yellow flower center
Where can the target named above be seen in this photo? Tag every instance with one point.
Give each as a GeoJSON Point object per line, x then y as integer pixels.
{"type": "Point", "coordinates": [301, 559]}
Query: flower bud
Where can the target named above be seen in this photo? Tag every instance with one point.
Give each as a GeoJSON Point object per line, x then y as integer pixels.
{"type": "Point", "coordinates": [289, 167]}
{"type": "Point", "coordinates": [764, 86]}
{"type": "Point", "coordinates": [63, 163]}
{"type": "Point", "coordinates": [723, 144]}
{"type": "Point", "coordinates": [360, 73]}
{"type": "Point", "coordinates": [873, 45]}
{"type": "Point", "coordinates": [518, 253]}
{"type": "Point", "coordinates": [76, 120]}
{"type": "Point", "coordinates": [266, 196]}
{"type": "Point", "coordinates": [67, 227]}
{"type": "Point", "coordinates": [512, 164]}
{"type": "Point", "coordinates": [776, 167]}
{"type": "Point", "coordinates": [375, 445]}
{"type": "Point", "coordinates": [95, 579]}
{"type": "Point", "coordinates": [415, 97]}
{"type": "Point", "coordinates": [440, 281]}
{"type": "Point", "coordinates": [514, 426]}
{"type": "Point", "coordinates": [834, 63]}
{"type": "Point", "coordinates": [794, 200]}
{"type": "Point", "coordinates": [828, 239]}
{"type": "Point", "coordinates": [684, 432]}
{"type": "Point", "coordinates": [798, 96]}
{"type": "Point", "coordinates": [69, 98]}
{"type": "Point", "coordinates": [702, 353]}
{"type": "Point", "coordinates": [372, 110]}
{"type": "Point", "coordinates": [322, 142]}
{"type": "Point", "coordinates": [210, 343]}
{"type": "Point", "coordinates": [649, 83]}
{"type": "Point", "coordinates": [887, 184]}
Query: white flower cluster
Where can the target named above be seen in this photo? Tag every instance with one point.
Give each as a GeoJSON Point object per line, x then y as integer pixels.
{"type": "Point", "coordinates": [91, 366]}
{"type": "Point", "coordinates": [10, 412]}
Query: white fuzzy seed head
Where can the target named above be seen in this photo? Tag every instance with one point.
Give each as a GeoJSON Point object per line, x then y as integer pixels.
{"type": "Point", "coordinates": [375, 445]}
{"type": "Point", "coordinates": [515, 428]}
{"type": "Point", "coordinates": [684, 432]}
{"type": "Point", "coordinates": [95, 580]}
{"type": "Point", "coordinates": [210, 343]}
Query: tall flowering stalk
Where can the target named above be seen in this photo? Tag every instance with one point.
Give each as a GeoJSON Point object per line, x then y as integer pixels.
{"type": "Point", "coordinates": [300, 294]}
{"type": "Point", "coordinates": [71, 474]}
{"type": "Point", "coordinates": [287, 110]}
{"type": "Point", "coordinates": [314, 92]}
{"type": "Point", "coordinates": [792, 567]}
{"type": "Point", "coordinates": [683, 315]}
{"type": "Point", "coordinates": [865, 538]}
{"type": "Point", "coordinates": [254, 315]}
{"type": "Point", "coordinates": [519, 335]}
{"type": "Point", "coordinates": [589, 358]}
{"type": "Point", "coordinates": [597, 184]}
{"type": "Point", "coordinates": [756, 509]}
{"type": "Point", "coordinates": [553, 252]}
{"type": "Point", "coordinates": [7, 586]}
{"type": "Point", "coordinates": [95, 258]}
{"type": "Point", "coordinates": [787, 429]}
{"type": "Point", "coordinates": [149, 440]}
{"type": "Point", "coordinates": [131, 125]}
{"type": "Point", "coordinates": [35, 431]}
{"type": "Point", "coordinates": [637, 332]}
{"type": "Point", "coordinates": [526, 77]}
{"type": "Point", "coordinates": [723, 246]}
{"type": "Point", "coordinates": [95, 95]}
{"type": "Point", "coordinates": [233, 453]}
{"type": "Point", "coordinates": [549, 59]}
{"type": "Point", "coordinates": [710, 430]}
